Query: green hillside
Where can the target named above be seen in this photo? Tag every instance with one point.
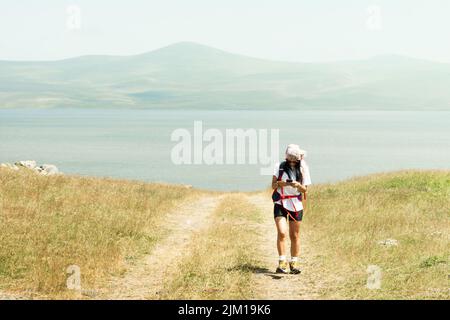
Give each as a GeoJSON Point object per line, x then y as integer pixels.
{"type": "Point", "coordinates": [189, 75]}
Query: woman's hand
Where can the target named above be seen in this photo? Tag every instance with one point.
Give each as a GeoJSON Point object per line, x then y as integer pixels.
{"type": "Point", "coordinates": [283, 184]}
{"type": "Point", "coordinates": [295, 184]}
{"type": "Point", "coordinates": [298, 186]}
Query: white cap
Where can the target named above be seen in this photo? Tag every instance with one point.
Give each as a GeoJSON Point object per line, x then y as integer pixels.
{"type": "Point", "coordinates": [294, 150]}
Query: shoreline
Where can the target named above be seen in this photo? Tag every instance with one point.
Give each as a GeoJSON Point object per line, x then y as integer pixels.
{"type": "Point", "coordinates": [354, 179]}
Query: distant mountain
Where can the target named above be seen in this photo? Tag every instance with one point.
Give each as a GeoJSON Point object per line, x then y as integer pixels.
{"type": "Point", "coordinates": [189, 75]}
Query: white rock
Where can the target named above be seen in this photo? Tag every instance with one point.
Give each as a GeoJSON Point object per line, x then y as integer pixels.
{"type": "Point", "coordinates": [30, 164]}
{"type": "Point", "coordinates": [50, 169]}
{"type": "Point", "coordinates": [388, 242]}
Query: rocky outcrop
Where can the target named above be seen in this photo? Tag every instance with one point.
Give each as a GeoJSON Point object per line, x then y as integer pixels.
{"type": "Point", "coordinates": [45, 169]}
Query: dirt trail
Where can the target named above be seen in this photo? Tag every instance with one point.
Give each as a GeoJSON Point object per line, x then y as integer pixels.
{"type": "Point", "coordinates": [145, 280]}
{"type": "Point", "coordinates": [268, 284]}
{"type": "Point", "coordinates": [11, 296]}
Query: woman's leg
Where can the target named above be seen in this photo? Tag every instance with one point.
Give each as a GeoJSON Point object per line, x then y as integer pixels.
{"type": "Point", "coordinates": [294, 235]}
{"type": "Point", "coordinates": [281, 224]}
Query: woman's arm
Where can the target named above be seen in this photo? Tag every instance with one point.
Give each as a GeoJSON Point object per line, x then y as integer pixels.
{"type": "Point", "coordinates": [274, 182]}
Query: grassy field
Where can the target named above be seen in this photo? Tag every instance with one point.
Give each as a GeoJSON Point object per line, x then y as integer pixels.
{"type": "Point", "coordinates": [104, 225]}
{"type": "Point", "coordinates": [50, 222]}
{"type": "Point", "coordinates": [347, 220]}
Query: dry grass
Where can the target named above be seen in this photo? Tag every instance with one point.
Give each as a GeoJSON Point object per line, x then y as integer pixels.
{"type": "Point", "coordinates": [347, 220]}
{"type": "Point", "coordinates": [49, 223]}
{"type": "Point", "coordinates": [102, 225]}
{"type": "Point", "coordinates": [221, 260]}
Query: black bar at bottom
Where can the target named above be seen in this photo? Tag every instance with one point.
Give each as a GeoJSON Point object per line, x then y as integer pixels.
{"type": "Point", "coordinates": [224, 309]}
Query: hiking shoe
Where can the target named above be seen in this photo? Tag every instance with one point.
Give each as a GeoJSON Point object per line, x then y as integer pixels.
{"type": "Point", "coordinates": [282, 267]}
{"type": "Point", "coordinates": [295, 267]}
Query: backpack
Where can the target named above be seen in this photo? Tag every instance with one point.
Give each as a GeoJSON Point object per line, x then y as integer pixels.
{"type": "Point", "coordinates": [283, 168]}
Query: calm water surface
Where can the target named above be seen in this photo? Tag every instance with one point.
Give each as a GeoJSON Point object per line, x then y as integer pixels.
{"type": "Point", "coordinates": [136, 144]}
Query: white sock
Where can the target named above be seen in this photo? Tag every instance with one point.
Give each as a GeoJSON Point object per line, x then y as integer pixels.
{"type": "Point", "coordinates": [294, 259]}
{"type": "Point", "coordinates": [282, 258]}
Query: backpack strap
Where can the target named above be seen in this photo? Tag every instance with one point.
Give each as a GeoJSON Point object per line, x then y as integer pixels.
{"type": "Point", "coordinates": [280, 172]}
{"type": "Point", "coordinates": [280, 176]}
{"type": "Point", "coordinates": [300, 172]}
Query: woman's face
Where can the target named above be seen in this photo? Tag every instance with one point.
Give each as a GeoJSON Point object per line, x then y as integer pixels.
{"type": "Point", "coordinates": [292, 160]}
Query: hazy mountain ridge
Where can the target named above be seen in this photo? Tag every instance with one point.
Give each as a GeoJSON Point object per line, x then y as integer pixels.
{"type": "Point", "coordinates": [189, 75]}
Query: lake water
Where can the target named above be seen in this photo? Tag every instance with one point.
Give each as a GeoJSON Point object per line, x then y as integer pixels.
{"type": "Point", "coordinates": [136, 144]}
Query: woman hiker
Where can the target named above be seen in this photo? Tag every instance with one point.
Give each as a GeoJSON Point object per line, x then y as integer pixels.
{"type": "Point", "coordinates": [290, 179]}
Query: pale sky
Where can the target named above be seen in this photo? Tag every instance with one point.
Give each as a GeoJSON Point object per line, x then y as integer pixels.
{"type": "Point", "coordinates": [290, 30]}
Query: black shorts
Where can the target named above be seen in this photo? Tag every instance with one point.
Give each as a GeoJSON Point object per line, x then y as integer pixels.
{"type": "Point", "coordinates": [279, 211]}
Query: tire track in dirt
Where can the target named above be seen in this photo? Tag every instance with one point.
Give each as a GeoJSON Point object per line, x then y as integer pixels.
{"type": "Point", "coordinates": [146, 279]}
